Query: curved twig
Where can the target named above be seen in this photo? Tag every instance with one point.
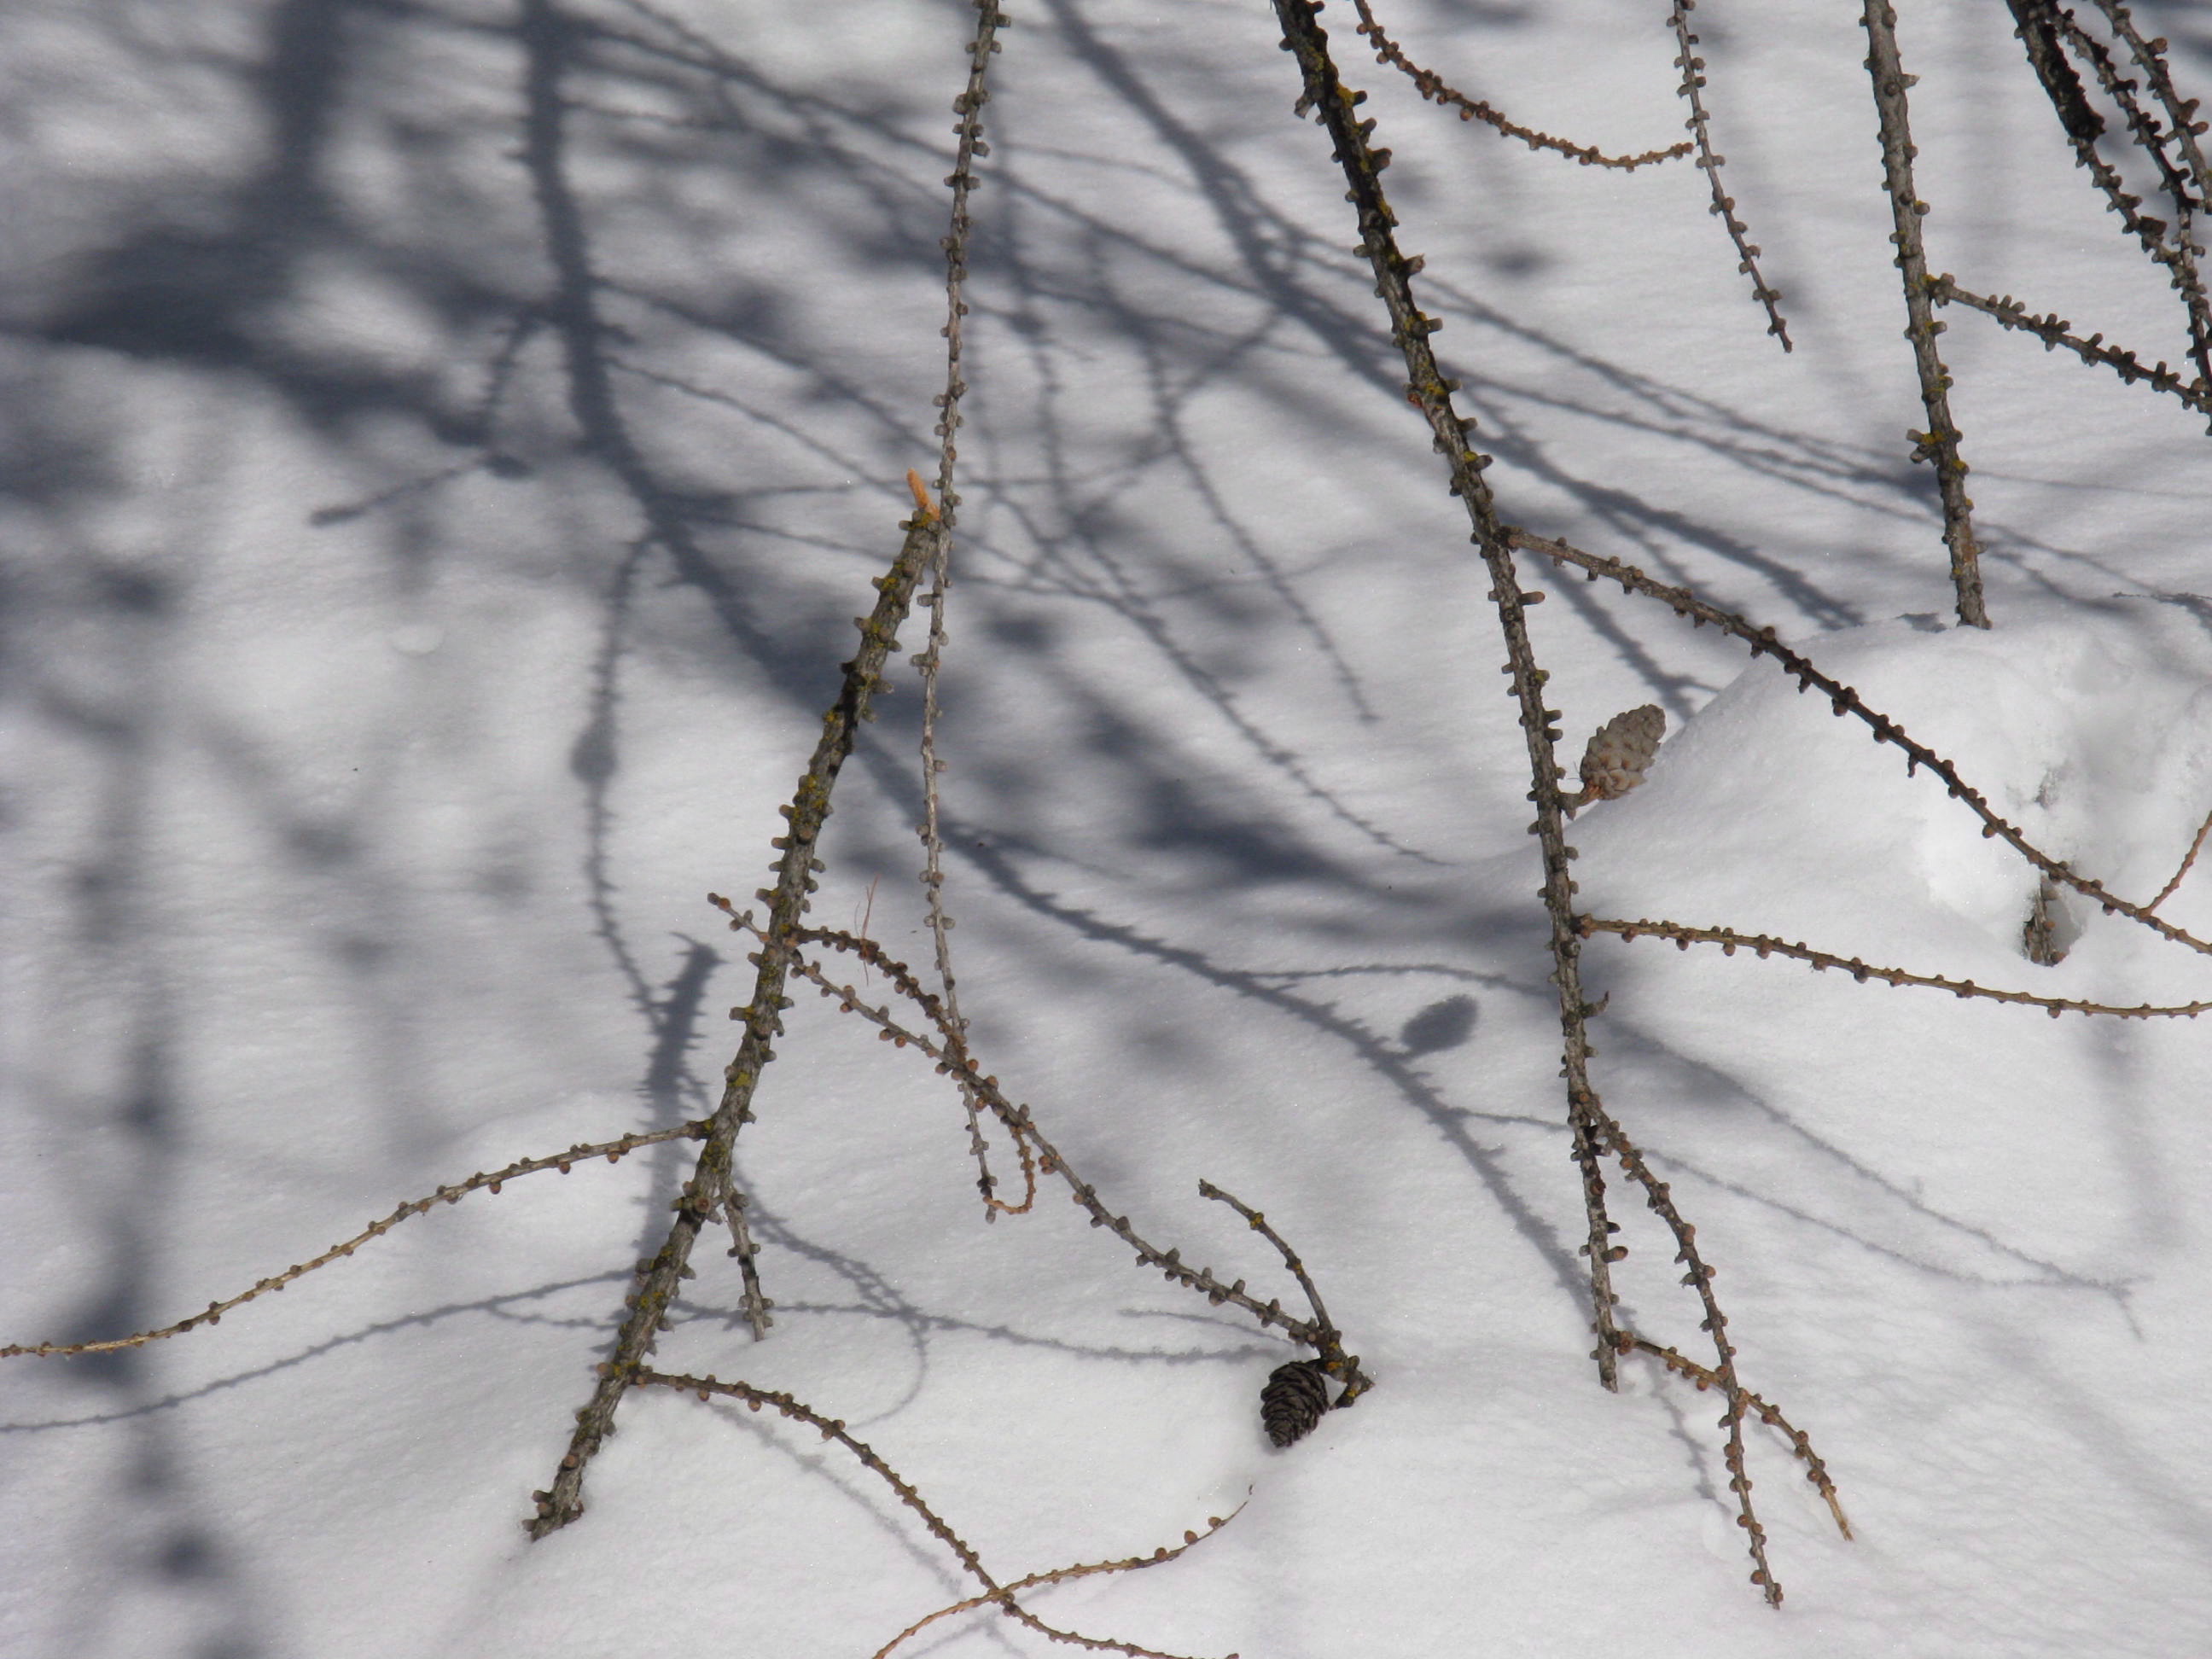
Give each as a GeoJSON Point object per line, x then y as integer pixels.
{"type": "Point", "coordinates": [1764, 945]}
{"type": "Point", "coordinates": [1129, 1564]}
{"type": "Point", "coordinates": [1315, 1333]}
{"type": "Point", "coordinates": [1434, 88]}
{"type": "Point", "coordinates": [831, 1428]}
{"type": "Point", "coordinates": [953, 1059]}
{"type": "Point", "coordinates": [1338, 1363]}
{"type": "Point", "coordinates": [2188, 860]}
{"type": "Point", "coordinates": [490, 1181]}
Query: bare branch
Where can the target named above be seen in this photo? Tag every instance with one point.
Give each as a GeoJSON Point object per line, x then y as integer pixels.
{"type": "Point", "coordinates": [831, 1428]}
{"type": "Point", "coordinates": [2188, 860]}
{"type": "Point", "coordinates": [1130, 1563]}
{"type": "Point", "coordinates": [1699, 123]}
{"type": "Point", "coordinates": [969, 130]}
{"type": "Point", "coordinates": [2047, 28]}
{"type": "Point", "coordinates": [1434, 88]}
{"type": "Point", "coordinates": [491, 1181]}
{"type": "Point", "coordinates": [2053, 331]}
{"type": "Point", "coordinates": [2150, 58]}
{"type": "Point", "coordinates": [1699, 1275]}
{"type": "Point", "coordinates": [709, 1191]}
{"type": "Point", "coordinates": [1939, 444]}
{"type": "Point", "coordinates": [1764, 945]}
{"type": "Point", "coordinates": [1816, 1470]}
{"type": "Point", "coordinates": [1335, 106]}
{"type": "Point", "coordinates": [1317, 1334]}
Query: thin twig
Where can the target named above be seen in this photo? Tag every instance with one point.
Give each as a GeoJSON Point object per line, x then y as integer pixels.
{"type": "Point", "coordinates": [1338, 1363]}
{"type": "Point", "coordinates": [1699, 125]}
{"type": "Point", "coordinates": [1939, 444]}
{"type": "Point", "coordinates": [2048, 31]}
{"type": "Point", "coordinates": [831, 1428]}
{"type": "Point", "coordinates": [1699, 1275]}
{"type": "Point", "coordinates": [1844, 700]}
{"type": "Point", "coordinates": [1129, 1564]}
{"type": "Point", "coordinates": [873, 956]}
{"type": "Point", "coordinates": [2195, 848]}
{"type": "Point", "coordinates": [709, 1191]}
{"type": "Point", "coordinates": [756, 1303]}
{"type": "Point", "coordinates": [969, 131]}
{"type": "Point", "coordinates": [491, 1181]}
{"type": "Point", "coordinates": [1434, 88]}
{"type": "Point", "coordinates": [1816, 1470]}
{"type": "Point", "coordinates": [1764, 945]}
{"type": "Point", "coordinates": [2150, 57]}
{"type": "Point", "coordinates": [2053, 331]}
{"type": "Point", "coordinates": [1315, 1333]}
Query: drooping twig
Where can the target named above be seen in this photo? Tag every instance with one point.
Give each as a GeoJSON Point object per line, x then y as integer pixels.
{"type": "Point", "coordinates": [708, 1192]}
{"type": "Point", "coordinates": [964, 1071]}
{"type": "Point", "coordinates": [1434, 88]}
{"type": "Point", "coordinates": [2188, 860]}
{"type": "Point", "coordinates": [1846, 701]}
{"type": "Point", "coordinates": [968, 130]}
{"type": "Point", "coordinates": [1939, 444]}
{"type": "Point", "coordinates": [489, 1181]}
{"type": "Point", "coordinates": [1127, 1564]}
{"type": "Point", "coordinates": [1334, 1359]}
{"type": "Point", "coordinates": [1724, 208]}
{"type": "Point", "coordinates": [1000, 1594]}
{"type": "Point", "coordinates": [1699, 1275]}
{"type": "Point", "coordinates": [1816, 1470]}
{"type": "Point", "coordinates": [1766, 944]}
{"type": "Point", "coordinates": [1316, 1333]}
{"type": "Point", "coordinates": [2053, 331]}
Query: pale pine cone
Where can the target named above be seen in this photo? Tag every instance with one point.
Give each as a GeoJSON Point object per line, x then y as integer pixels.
{"type": "Point", "coordinates": [1618, 753]}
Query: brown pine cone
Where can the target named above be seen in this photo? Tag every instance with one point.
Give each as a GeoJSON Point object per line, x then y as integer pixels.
{"type": "Point", "coordinates": [1293, 1401]}
{"type": "Point", "coordinates": [1619, 752]}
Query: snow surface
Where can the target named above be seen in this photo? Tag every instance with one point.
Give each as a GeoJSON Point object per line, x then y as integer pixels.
{"type": "Point", "coordinates": [392, 674]}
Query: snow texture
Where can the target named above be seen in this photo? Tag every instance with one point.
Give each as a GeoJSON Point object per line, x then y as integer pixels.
{"type": "Point", "coordinates": [442, 448]}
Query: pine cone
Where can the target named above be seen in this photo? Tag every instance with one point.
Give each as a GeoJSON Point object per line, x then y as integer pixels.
{"type": "Point", "coordinates": [1618, 752]}
{"type": "Point", "coordinates": [1293, 1401]}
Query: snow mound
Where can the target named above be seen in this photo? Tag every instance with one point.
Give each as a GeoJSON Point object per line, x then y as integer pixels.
{"type": "Point", "coordinates": [2085, 727]}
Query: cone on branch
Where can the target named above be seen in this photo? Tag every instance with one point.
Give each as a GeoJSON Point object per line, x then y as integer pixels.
{"type": "Point", "coordinates": [1618, 754]}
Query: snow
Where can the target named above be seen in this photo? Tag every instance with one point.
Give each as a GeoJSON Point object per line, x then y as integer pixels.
{"type": "Point", "coordinates": [376, 730]}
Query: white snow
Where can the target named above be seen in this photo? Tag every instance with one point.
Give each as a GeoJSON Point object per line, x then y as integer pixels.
{"type": "Point", "coordinates": [381, 708]}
